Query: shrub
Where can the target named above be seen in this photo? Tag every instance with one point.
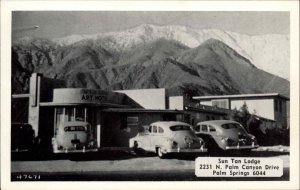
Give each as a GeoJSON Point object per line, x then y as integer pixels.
{"type": "Point", "coordinates": [271, 136]}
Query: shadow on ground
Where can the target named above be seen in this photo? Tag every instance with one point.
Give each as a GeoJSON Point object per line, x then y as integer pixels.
{"type": "Point", "coordinates": [227, 154]}
{"type": "Point", "coordinates": [89, 156]}
{"type": "Point", "coordinates": [249, 154]}
{"type": "Point", "coordinates": [124, 155]}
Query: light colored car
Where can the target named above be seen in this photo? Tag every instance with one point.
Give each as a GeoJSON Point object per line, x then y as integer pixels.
{"type": "Point", "coordinates": [165, 137]}
{"type": "Point", "coordinates": [73, 136]}
{"type": "Point", "coordinates": [225, 135]}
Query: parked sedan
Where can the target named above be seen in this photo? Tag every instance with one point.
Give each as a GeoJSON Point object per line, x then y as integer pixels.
{"type": "Point", "coordinates": [22, 137]}
{"type": "Point", "coordinates": [165, 137]}
{"type": "Point", "coordinates": [73, 136]}
{"type": "Point", "coordinates": [225, 135]}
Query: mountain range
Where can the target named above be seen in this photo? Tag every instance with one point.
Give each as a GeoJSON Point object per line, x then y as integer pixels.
{"type": "Point", "coordinates": [148, 56]}
{"type": "Point", "coordinates": [269, 52]}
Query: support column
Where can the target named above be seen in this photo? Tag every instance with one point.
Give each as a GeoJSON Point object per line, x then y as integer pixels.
{"type": "Point", "coordinates": [34, 101]}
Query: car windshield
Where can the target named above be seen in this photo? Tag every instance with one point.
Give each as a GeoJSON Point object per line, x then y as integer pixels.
{"type": "Point", "coordinates": [75, 128]}
{"type": "Point", "coordinates": [232, 126]}
{"type": "Point", "coordinates": [180, 128]}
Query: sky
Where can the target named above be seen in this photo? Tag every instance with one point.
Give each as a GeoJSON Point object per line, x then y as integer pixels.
{"type": "Point", "coordinates": [55, 24]}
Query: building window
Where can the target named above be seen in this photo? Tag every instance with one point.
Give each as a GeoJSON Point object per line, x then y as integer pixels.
{"type": "Point", "coordinates": [59, 116]}
{"type": "Point", "coordinates": [220, 103]}
{"type": "Point", "coordinates": [128, 122]}
{"type": "Point", "coordinates": [132, 120]}
{"type": "Point", "coordinates": [79, 114]}
{"type": "Point", "coordinates": [70, 113]}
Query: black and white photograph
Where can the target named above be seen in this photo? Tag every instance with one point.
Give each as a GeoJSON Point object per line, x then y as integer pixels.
{"type": "Point", "coordinates": [151, 96]}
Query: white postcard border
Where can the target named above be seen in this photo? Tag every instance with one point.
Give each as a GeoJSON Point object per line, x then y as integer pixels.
{"type": "Point", "coordinates": [8, 6]}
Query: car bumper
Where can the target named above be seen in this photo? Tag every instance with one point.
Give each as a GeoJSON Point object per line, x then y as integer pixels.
{"type": "Point", "coordinates": [241, 147]}
{"type": "Point", "coordinates": [186, 150]}
{"type": "Point", "coordinates": [75, 150]}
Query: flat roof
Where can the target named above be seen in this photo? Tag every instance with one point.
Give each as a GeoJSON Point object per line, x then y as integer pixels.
{"type": "Point", "coordinates": [140, 110]}
{"type": "Point", "coordinates": [217, 122]}
{"type": "Point", "coordinates": [140, 89]}
{"type": "Point", "coordinates": [49, 104]}
{"type": "Point", "coordinates": [212, 109]}
{"type": "Point", "coordinates": [240, 96]}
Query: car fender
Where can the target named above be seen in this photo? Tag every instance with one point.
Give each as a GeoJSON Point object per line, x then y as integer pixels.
{"type": "Point", "coordinates": [132, 140]}
{"type": "Point", "coordinates": [139, 140]}
{"type": "Point", "coordinates": [218, 141]}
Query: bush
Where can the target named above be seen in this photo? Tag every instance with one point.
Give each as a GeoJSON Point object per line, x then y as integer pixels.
{"type": "Point", "coordinates": [277, 136]}
{"type": "Point", "coordinates": [271, 136]}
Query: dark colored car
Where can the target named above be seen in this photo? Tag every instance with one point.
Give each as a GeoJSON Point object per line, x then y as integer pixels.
{"type": "Point", "coordinates": [225, 135]}
{"type": "Point", "coordinates": [22, 137]}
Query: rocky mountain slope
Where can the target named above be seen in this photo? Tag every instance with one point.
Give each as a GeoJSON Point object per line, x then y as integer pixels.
{"type": "Point", "coordinates": [268, 52]}
{"type": "Point", "coordinates": [211, 68]}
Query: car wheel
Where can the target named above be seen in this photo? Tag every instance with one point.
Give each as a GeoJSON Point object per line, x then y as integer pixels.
{"type": "Point", "coordinates": [160, 153]}
{"type": "Point", "coordinates": [138, 151]}
{"type": "Point", "coordinates": [35, 149]}
{"type": "Point", "coordinates": [214, 149]}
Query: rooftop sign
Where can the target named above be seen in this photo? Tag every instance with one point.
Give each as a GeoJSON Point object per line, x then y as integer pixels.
{"type": "Point", "coordinates": [80, 95]}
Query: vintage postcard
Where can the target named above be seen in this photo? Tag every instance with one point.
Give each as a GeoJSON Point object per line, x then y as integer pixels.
{"type": "Point", "coordinates": [153, 95]}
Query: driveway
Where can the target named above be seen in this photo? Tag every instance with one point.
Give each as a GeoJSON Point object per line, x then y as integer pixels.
{"type": "Point", "coordinates": [118, 165]}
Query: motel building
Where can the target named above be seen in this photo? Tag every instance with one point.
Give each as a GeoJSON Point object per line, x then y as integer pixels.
{"type": "Point", "coordinates": [117, 116]}
{"type": "Point", "coordinates": [272, 108]}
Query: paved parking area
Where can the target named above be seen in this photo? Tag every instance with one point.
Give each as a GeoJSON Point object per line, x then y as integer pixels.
{"type": "Point", "coordinates": [116, 163]}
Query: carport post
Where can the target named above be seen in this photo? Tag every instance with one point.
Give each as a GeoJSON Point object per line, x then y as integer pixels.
{"type": "Point", "coordinates": [98, 135]}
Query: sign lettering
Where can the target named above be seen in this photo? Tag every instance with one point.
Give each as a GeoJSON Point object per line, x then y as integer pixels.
{"type": "Point", "coordinates": [91, 97]}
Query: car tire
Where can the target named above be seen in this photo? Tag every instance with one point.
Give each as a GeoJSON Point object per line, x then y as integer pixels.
{"type": "Point", "coordinates": [160, 153]}
{"type": "Point", "coordinates": [214, 149]}
{"type": "Point", "coordinates": [138, 151]}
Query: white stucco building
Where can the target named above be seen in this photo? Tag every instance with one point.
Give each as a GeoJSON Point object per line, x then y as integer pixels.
{"type": "Point", "coordinates": [271, 106]}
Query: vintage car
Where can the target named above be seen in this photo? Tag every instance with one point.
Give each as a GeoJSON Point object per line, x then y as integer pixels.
{"type": "Point", "coordinates": [225, 135]}
{"type": "Point", "coordinates": [165, 137]}
{"type": "Point", "coordinates": [22, 137]}
{"type": "Point", "coordinates": [73, 136]}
